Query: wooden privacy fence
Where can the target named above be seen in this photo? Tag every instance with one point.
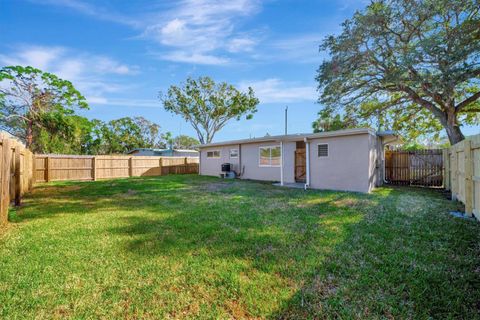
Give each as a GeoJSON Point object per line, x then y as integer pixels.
{"type": "Point", "coordinates": [416, 168]}
{"type": "Point", "coordinates": [462, 173]}
{"type": "Point", "coordinates": [16, 172]}
{"type": "Point", "coordinates": [73, 167]}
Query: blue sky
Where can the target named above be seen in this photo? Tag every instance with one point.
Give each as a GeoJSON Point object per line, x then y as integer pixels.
{"type": "Point", "coordinates": [120, 54]}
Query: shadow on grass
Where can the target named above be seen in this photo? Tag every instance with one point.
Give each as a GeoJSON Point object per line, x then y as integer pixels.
{"type": "Point", "coordinates": [394, 253]}
{"type": "Point", "coordinates": [406, 259]}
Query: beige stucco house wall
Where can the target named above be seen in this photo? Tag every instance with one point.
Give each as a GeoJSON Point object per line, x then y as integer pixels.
{"type": "Point", "coordinates": [345, 168]}
{"type": "Point", "coordinates": [212, 166]}
{"type": "Point", "coordinates": [254, 171]}
{"type": "Point", "coordinates": [354, 161]}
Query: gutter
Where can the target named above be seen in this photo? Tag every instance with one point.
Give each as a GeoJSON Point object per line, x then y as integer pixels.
{"type": "Point", "coordinates": [282, 162]}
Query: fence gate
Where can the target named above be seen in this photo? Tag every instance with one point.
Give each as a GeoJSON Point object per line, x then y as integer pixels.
{"type": "Point", "coordinates": [300, 165]}
{"type": "Point", "coordinates": [416, 168]}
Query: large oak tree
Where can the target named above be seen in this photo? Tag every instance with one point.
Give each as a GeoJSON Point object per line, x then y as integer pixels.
{"type": "Point", "coordinates": [405, 58]}
{"type": "Point", "coordinates": [208, 106]}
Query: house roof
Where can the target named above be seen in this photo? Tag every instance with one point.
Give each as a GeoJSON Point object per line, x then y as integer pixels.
{"type": "Point", "coordinates": [162, 150]}
{"type": "Point", "coordinates": [296, 137]}
{"type": "Point", "coordinates": [186, 150]}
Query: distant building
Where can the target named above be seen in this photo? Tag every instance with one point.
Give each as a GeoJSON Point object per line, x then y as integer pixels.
{"type": "Point", "coordinates": [164, 152]}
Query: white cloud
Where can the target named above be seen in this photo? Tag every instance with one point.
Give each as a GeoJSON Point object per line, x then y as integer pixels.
{"type": "Point", "coordinates": [88, 72]}
{"type": "Point", "coordinates": [274, 90]}
{"type": "Point", "coordinates": [244, 44]}
{"type": "Point", "coordinates": [37, 57]}
{"type": "Point", "coordinates": [207, 32]}
{"type": "Point", "coordinates": [191, 31]}
{"type": "Point", "coordinates": [196, 58]}
{"type": "Point", "coordinates": [301, 48]}
{"type": "Point", "coordinates": [92, 10]}
{"type": "Point", "coordinates": [197, 29]}
{"type": "Point", "coordinates": [137, 103]}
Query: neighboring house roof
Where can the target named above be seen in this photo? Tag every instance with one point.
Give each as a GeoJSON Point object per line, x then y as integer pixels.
{"type": "Point", "coordinates": [146, 149]}
{"type": "Point", "coordinates": [185, 150]}
{"type": "Point", "coordinates": [155, 150]}
{"type": "Point", "coordinates": [296, 137]}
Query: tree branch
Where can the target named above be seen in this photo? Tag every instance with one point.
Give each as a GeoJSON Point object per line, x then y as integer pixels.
{"type": "Point", "coordinates": [427, 104]}
{"type": "Point", "coordinates": [467, 101]}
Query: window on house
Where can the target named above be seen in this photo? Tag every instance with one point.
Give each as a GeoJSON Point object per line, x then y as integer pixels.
{"type": "Point", "coordinates": [213, 154]}
{"type": "Point", "coordinates": [323, 150]}
{"type": "Point", "coordinates": [270, 156]}
{"type": "Point", "coordinates": [233, 153]}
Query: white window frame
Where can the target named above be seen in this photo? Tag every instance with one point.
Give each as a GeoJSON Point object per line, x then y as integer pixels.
{"type": "Point", "coordinates": [219, 154]}
{"type": "Point", "coordinates": [269, 147]}
{"type": "Point", "coordinates": [328, 151]}
{"type": "Point", "coordinates": [236, 151]}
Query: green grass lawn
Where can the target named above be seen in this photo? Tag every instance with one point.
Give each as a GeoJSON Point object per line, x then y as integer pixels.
{"type": "Point", "coordinates": [199, 247]}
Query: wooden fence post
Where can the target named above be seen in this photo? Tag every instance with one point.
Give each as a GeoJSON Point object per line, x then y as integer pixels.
{"type": "Point", "coordinates": [17, 176]}
{"type": "Point", "coordinates": [160, 163]}
{"type": "Point", "coordinates": [34, 170]}
{"type": "Point", "coordinates": [454, 173]}
{"type": "Point", "coordinates": [94, 168]}
{"type": "Point", "coordinates": [446, 169]}
{"type": "Point", "coordinates": [130, 167]}
{"type": "Point", "coordinates": [47, 169]}
{"type": "Point", "coordinates": [468, 178]}
{"type": "Point", "coordinates": [6, 159]}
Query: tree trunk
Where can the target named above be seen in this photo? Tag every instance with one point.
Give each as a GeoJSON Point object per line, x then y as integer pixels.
{"type": "Point", "coordinates": [29, 135]}
{"type": "Point", "coordinates": [454, 133]}
{"type": "Point", "coordinates": [450, 123]}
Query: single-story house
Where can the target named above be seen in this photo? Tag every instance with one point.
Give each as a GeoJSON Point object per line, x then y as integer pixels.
{"type": "Point", "coordinates": [349, 160]}
{"type": "Point", "coordinates": [164, 152]}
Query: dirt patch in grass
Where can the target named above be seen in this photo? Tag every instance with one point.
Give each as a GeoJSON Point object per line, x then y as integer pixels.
{"type": "Point", "coordinates": [55, 190]}
{"type": "Point", "coordinates": [128, 194]}
{"type": "Point", "coordinates": [324, 288]}
{"type": "Point", "coordinates": [217, 186]}
{"type": "Point", "coordinates": [353, 203]}
{"type": "Point", "coordinates": [233, 187]}
{"type": "Point", "coordinates": [237, 310]}
{"type": "Point", "coordinates": [412, 205]}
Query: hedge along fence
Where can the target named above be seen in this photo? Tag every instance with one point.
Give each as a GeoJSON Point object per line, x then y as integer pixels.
{"type": "Point", "coordinates": [462, 173]}
{"type": "Point", "coordinates": [73, 167]}
{"type": "Point", "coordinates": [16, 173]}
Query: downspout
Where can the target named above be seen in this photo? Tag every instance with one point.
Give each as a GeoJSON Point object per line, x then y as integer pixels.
{"type": "Point", "coordinates": [281, 162]}
{"type": "Point", "coordinates": [240, 171]}
{"type": "Point", "coordinates": [384, 173]}
{"type": "Point", "coordinates": [307, 163]}
{"type": "Point", "coordinates": [199, 162]}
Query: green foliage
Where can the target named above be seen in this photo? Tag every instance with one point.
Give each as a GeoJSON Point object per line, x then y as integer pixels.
{"type": "Point", "coordinates": [415, 62]}
{"type": "Point", "coordinates": [36, 104]}
{"type": "Point", "coordinates": [411, 121]}
{"type": "Point", "coordinates": [150, 132]}
{"type": "Point", "coordinates": [124, 134]}
{"type": "Point", "coordinates": [185, 142]}
{"type": "Point", "coordinates": [327, 121]}
{"type": "Point", "coordinates": [168, 140]}
{"type": "Point", "coordinates": [63, 134]}
{"type": "Point", "coordinates": [208, 106]}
